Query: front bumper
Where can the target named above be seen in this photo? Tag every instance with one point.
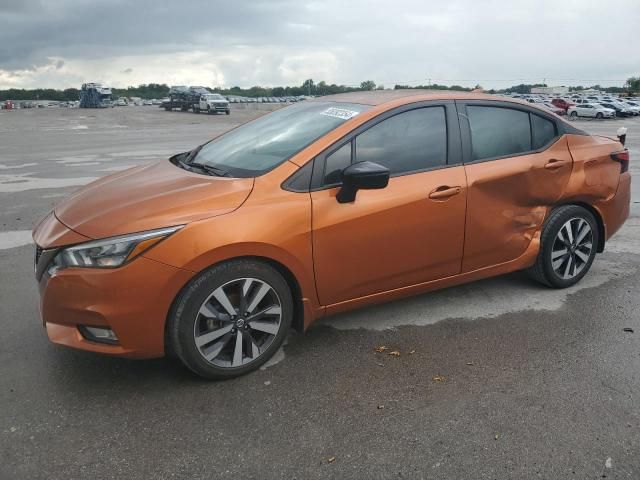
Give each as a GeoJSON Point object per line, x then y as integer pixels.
{"type": "Point", "coordinates": [132, 300]}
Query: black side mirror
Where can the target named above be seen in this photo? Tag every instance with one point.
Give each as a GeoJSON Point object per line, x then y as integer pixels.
{"type": "Point", "coordinates": [361, 175]}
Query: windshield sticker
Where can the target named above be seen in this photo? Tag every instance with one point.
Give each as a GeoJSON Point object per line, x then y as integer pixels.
{"type": "Point", "coordinates": [341, 113]}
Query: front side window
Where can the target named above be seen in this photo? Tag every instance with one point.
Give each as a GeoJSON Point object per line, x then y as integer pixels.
{"type": "Point", "coordinates": [498, 132]}
{"type": "Point", "coordinates": [335, 163]}
{"type": "Point", "coordinates": [409, 141]}
{"type": "Point", "coordinates": [265, 143]}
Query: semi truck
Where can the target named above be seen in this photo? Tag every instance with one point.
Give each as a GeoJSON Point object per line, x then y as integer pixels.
{"type": "Point", "coordinates": [196, 99]}
{"type": "Point", "coordinates": [94, 95]}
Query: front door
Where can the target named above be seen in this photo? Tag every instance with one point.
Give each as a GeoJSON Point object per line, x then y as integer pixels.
{"type": "Point", "coordinates": [410, 232]}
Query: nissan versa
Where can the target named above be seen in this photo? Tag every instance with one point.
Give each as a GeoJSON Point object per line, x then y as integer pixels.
{"type": "Point", "coordinates": [318, 208]}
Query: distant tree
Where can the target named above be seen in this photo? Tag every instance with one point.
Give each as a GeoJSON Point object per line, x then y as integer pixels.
{"type": "Point", "coordinates": [633, 84]}
{"type": "Point", "coordinates": [368, 85]}
{"type": "Point", "coordinates": [308, 86]}
{"type": "Point", "coordinates": [71, 94]}
{"type": "Point", "coordinates": [322, 88]}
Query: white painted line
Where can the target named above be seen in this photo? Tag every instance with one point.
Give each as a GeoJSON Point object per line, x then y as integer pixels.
{"type": "Point", "coordinates": [24, 165]}
{"type": "Point", "coordinates": [144, 153]}
{"type": "Point", "coordinates": [81, 164]}
{"type": "Point", "coordinates": [22, 182]}
{"type": "Point", "coordinates": [16, 238]}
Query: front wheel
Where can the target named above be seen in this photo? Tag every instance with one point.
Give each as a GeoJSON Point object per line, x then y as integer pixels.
{"type": "Point", "coordinates": [231, 319]}
{"type": "Point", "coordinates": [574, 115]}
{"type": "Point", "coordinates": [568, 247]}
{"type": "Point", "coordinates": [599, 115]}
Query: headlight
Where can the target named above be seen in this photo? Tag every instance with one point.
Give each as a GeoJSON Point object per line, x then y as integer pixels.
{"type": "Point", "coordinates": [110, 252]}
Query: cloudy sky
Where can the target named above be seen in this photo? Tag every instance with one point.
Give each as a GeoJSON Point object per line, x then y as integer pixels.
{"type": "Point", "coordinates": [63, 43]}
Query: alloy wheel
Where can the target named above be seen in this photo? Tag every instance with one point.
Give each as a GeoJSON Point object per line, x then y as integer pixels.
{"type": "Point", "coordinates": [236, 324]}
{"type": "Point", "coordinates": [572, 248]}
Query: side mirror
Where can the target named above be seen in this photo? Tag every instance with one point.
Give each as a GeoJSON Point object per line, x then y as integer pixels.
{"type": "Point", "coordinates": [361, 175]}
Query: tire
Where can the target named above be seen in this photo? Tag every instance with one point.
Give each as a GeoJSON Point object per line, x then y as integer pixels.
{"type": "Point", "coordinates": [206, 337]}
{"type": "Point", "coordinates": [554, 268]}
{"type": "Point", "coordinates": [227, 112]}
{"type": "Point", "coordinates": [208, 110]}
{"type": "Point", "coordinates": [574, 115]}
{"type": "Point", "coordinates": [599, 115]}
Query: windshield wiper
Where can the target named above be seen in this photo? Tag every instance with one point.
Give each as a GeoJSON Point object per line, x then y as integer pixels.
{"type": "Point", "coordinates": [189, 164]}
{"type": "Point", "coordinates": [193, 153]}
{"type": "Point", "coordinates": [220, 172]}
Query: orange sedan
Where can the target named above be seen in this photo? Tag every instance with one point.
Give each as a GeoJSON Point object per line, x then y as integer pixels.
{"type": "Point", "coordinates": [319, 208]}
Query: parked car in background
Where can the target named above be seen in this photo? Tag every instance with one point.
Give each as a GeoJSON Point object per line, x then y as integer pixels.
{"type": "Point", "coordinates": [634, 107]}
{"type": "Point", "coordinates": [319, 208]}
{"type": "Point", "coordinates": [553, 108]}
{"type": "Point", "coordinates": [593, 110]}
{"type": "Point", "coordinates": [562, 103]}
{"type": "Point", "coordinates": [620, 109]}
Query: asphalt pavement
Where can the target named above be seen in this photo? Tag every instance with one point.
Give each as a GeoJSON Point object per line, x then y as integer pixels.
{"type": "Point", "coordinates": [498, 379]}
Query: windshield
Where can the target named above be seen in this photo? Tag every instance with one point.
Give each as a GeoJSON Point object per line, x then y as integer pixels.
{"type": "Point", "coordinates": [261, 145]}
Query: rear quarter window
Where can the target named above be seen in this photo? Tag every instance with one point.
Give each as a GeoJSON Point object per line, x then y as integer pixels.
{"type": "Point", "coordinates": [544, 131]}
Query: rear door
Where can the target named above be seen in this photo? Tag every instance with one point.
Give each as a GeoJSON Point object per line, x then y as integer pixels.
{"type": "Point", "coordinates": [410, 232]}
{"type": "Point", "coordinates": [517, 166]}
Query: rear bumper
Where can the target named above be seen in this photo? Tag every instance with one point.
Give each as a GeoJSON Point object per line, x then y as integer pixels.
{"type": "Point", "coordinates": [615, 211]}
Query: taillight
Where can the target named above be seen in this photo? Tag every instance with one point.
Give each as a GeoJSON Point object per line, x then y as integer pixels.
{"type": "Point", "coordinates": [622, 157]}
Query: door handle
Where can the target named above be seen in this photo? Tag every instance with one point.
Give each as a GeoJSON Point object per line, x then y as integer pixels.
{"type": "Point", "coordinates": [444, 191]}
{"type": "Point", "coordinates": [554, 164]}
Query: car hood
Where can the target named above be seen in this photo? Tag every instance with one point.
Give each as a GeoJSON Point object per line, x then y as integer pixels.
{"type": "Point", "coordinates": [150, 196]}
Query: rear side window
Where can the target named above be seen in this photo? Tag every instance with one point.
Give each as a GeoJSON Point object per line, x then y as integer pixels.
{"type": "Point", "coordinates": [543, 131]}
{"type": "Point", "coordinates": [498, 132]}
{"type": "Point", "coordinates": [407, 142]}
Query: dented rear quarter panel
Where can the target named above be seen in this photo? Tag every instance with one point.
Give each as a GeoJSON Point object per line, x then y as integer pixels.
{"type": "Point", "coordinates": [595, 176]}
{"type": "Point", "coordinates": [596, 180]}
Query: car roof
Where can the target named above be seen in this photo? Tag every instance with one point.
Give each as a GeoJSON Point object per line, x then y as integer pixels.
{"type": "Point", "coordinates": [380, 97]}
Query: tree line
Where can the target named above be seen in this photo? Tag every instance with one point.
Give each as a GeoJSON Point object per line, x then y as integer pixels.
{"type": "Point", "coordinates": [308, 87]}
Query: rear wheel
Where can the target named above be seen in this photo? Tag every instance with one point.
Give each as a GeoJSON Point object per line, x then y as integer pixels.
{"type": "Point", "coordinates": [567, 247]}
{"type": "Point", "coordinates": [574, 115]}
{"type": "Point", "coordinates": [231, 319]}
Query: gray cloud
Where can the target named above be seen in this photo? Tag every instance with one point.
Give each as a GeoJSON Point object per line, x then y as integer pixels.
{"type": "Point", "coordinates": [495, 43]}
